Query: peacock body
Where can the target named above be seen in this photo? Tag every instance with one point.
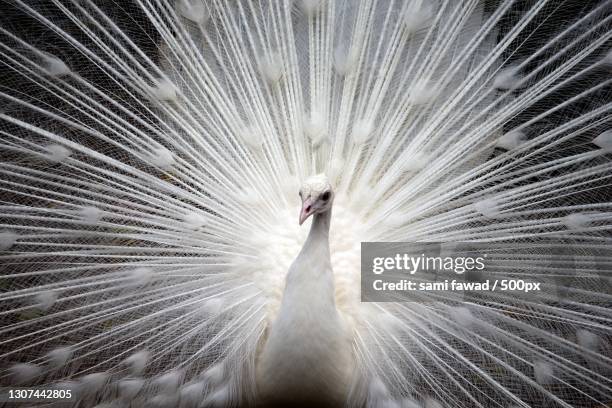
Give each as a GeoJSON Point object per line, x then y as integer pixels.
{"type": "Point", "coordinates": [307, 355]}
{"type": "Point", "coordinates": [151, 158]}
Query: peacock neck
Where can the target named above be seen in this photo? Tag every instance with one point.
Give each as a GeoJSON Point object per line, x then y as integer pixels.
{"type": "Point", "coordinates": [312, 267]}
{"type": "Point", "coordinates": [319, 230]}
{"type": "Point", "coordinates": [311, 272]}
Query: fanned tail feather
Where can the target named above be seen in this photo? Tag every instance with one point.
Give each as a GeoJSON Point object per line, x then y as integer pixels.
{"type": "Point", "coordinates": [151, 159]}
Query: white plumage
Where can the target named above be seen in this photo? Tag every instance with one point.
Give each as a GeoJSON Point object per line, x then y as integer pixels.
{"type": "Point", "coordinates": [151, 158]}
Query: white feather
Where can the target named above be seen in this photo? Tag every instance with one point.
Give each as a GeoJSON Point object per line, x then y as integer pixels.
{"type": "Point", "coordinates": [54, 66]}
{"type": "Point", "coordinates": [251, 135]}
{"type": "Point", "coordinates": [462, 316]}
{"type": "Point", "coordinates": [58, 357]}
{"type": "Point", "coordinates": [422, 92]}
{"type": "Point", "coordinates": [345, 59]}
{"type": "Point", "coordinates": [315, 128]}
{"type": "Point", "coordinates": [25, 373]}
{"type": "Point", "coordinates": [214, 306]}
{"type": "Point", "coordinates": [194, 219]}
{"type": "Point", "coordinates": [418, 15]}
{"type": "Point", "coordinates": [130, 387]}
{"type": "Point", "coordinates": [488, 207]}
{"type": "Point", "coordinates": [415, 162]}
{"type": "Point", "coordinates": [543, 372]}
{"type": "Point", "coordinates": [410, 403]}
{"type": "Point", "coordinates": [604, 141]}
{"type": "Point", "coordinates": [271, 67]}
{"type": "Point", "coordinates": [577, 221]}
{"type": "Point", "coordinates": [164, 401]}
{"type": "Point", "coordinates": [507, 79]}
{"type": "Point", "coordinates": [137, 362]}
{"type": "Point", "coordinates": [192, 394]}
{"type": "Point", "coordinates": [194, 10]}
{"type": "Point", "coordinates": [162, 158]}
{"type": "Point", "coordinates": [57, 153]}
{"type": "Point", "coordinates": [311, 7]}
{"type": "Point", "coordinates": [378, 389]}
{"type": "Point", "coordinates": [214, 375]}
{"type": "Point", "coordinates": [587, 339]}
{"type": "Point", "coordinates": [7, 240]}
{"type": "Point", "coordinates": [90, 214]}
{"type": "Point", "coordinates": [45, 300]}
{"type": "Point", "coordinates": [511, 140]}
{"type": "Point", "coordinates": [94, 382]}
{"type": "Point", "coordinates": [362, 131]}
{"type": "Point", "coordinates": [140, 276]}
{"type": "Point", "coordinates": [389, 403]}
{"type": "Point", "coordinates": [219, 398]}
{"type": "Point", "coordinates": [432, 403]}
{"type": "Point", "coordinates": [164, 91]}
{"type": "Point", "coordinates": [169, 382]}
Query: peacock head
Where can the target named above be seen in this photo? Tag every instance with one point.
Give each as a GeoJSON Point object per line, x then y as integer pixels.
{"type": "Point", "coordinates": [317, 196]}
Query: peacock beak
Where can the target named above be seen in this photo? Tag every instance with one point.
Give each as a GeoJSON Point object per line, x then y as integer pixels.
{"type": "Point", "coordinates": [307, 209]}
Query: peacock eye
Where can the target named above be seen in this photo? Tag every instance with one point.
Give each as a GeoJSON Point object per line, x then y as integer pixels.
{"type": "Point", "coordinates": [325, 196]}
